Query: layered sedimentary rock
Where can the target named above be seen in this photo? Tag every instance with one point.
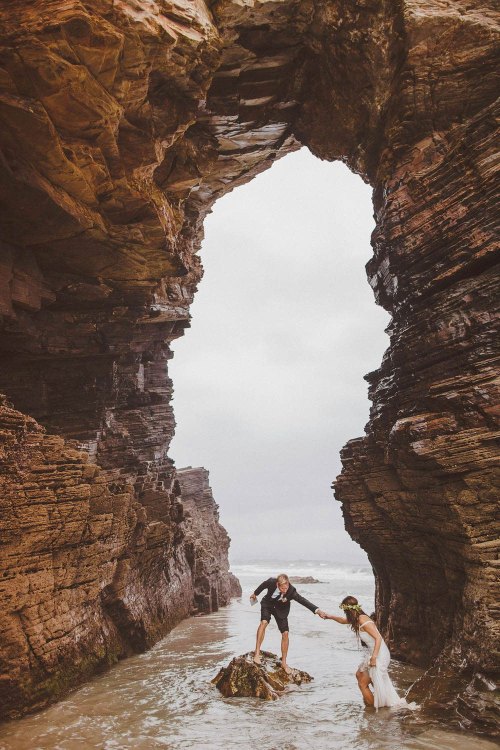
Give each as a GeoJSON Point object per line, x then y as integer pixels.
{"type": "Point", "coordinates": [122, 121]}
{"type": "Point", "coordinates": [86, 578]}
{"type": "Point", "coordinates": [88, 575]}
{"type": "Point", "coordinates": [420, 491]}
{"type": "Point", "coordinates": [206, 542]}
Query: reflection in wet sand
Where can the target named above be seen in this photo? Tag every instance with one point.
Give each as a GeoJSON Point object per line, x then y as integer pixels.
{"type": "Point", "coordinates": [164, 699]}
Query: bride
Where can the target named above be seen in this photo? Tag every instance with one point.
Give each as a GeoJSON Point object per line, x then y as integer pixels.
{"type": "Point", "coordinates": [373, 668]}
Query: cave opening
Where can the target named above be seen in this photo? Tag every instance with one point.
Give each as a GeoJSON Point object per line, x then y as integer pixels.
{"type": "Point", "coordinates": [269, 380]}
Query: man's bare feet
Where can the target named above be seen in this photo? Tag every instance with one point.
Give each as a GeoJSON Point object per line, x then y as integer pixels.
{"type": "Point", "coordinates": [256, 659]}
{"type": "Point", "coordinates": [286, 668]}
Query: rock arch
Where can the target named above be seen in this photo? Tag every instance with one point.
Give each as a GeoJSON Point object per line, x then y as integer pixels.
{"type": "Point", "coordinates": [122, 123]}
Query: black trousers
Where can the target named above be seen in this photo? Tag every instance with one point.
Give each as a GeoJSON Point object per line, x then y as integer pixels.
{"type": "Point", "coordinates": [267, 609]}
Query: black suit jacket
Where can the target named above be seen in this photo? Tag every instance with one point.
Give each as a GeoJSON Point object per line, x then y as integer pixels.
{"type": "Point", "coordinates": [291, 595]}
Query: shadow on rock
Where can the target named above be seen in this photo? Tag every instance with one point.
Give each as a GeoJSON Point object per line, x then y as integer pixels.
{"type": "Point", "coordinates": [244, 679]}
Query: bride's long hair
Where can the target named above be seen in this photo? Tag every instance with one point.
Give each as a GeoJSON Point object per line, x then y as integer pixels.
{"type": "Point", "coordinates": [352, 611]}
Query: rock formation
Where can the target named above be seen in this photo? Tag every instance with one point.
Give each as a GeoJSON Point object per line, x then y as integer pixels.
{"type": "Point", "coordinates": [206, 543]}
{"type": "Point", "coordinates": [242, 678]}
{"type": "Point", "coordinates": [85, 579]}
{"type": "Point", "coordinates": [122, 121]}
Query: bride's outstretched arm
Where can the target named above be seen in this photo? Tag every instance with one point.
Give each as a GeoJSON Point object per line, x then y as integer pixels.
{"type": "Point", "coordinates": [341, 620]}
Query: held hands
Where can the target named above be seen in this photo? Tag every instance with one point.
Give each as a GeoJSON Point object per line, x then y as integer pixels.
{"type": "Point", "coordinates": [253, 598]}
{"type": "Point", "coordinates": [321, 614]}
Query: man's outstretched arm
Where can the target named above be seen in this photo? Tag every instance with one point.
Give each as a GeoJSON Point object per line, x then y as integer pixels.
{"type": "Point", "coordinates": [306, 603]}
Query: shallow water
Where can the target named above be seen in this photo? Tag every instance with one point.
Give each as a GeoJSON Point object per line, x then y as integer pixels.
{"type": "Point", "coordinates": [164, 699]}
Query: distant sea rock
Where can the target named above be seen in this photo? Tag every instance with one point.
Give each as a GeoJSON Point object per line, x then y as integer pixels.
{"type": "Point", "coordinates": [242, 678]}
{"type": "Point", "coordinates": [304, 579]}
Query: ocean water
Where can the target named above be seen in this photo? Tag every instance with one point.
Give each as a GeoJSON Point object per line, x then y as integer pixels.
{"type": "Point", "coordinates": [164, 699]}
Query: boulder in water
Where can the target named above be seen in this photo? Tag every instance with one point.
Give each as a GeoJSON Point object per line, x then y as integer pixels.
{"type": "Point", "coordinates": [243, 678]}
{"type": "Point", "coordinates": [303, 579]}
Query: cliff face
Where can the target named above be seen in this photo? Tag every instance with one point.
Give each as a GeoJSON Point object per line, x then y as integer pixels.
{"type": "Point", "coordinates": [206, 542]}
{"type": "Point", "coordinates": [88, 573]}
{"type": "Point", "coordinates": [122, 123]}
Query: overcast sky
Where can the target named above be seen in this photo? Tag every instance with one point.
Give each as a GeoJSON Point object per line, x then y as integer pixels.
{"type": "Point", "coordinates": [269, 379]}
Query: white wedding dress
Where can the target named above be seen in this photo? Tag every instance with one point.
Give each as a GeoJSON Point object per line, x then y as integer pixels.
{"type": "Point", "coordinates": [383, 689]}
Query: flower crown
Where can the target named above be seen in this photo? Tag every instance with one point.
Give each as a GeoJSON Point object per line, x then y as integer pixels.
{"type": "Point", "coordinates": [356, 607]}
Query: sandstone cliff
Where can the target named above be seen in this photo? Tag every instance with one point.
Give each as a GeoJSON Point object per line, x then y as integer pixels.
{"type": "Point", "coordinates": [122, 121]}
{"type": "Point", "coordinates": [87, 574]}
{"type": "Point", "coordinates": [206, 542]}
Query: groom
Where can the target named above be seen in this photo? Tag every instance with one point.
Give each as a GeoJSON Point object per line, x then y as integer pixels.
{"type": "Point", "coordinates": [276, 602]}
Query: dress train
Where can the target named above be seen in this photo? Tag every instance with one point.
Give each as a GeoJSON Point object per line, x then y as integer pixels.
{"type": "Point", "coordinates": [384, 692]}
